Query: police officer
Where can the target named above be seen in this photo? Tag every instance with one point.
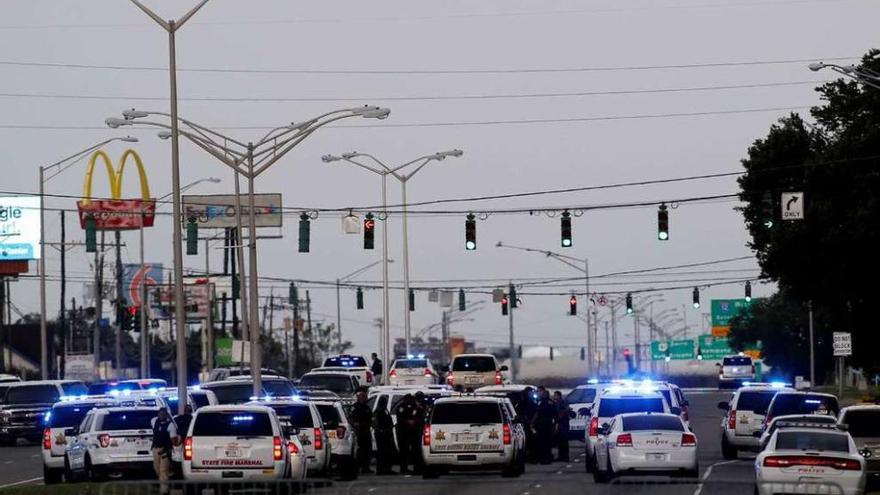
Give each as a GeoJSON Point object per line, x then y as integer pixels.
{"type": "Point", "coordinates": [544, 425]}
{"type": "Point", "coordinates": [362, 422]}
{"type": "Point", "coordinates": [525, 415]}
{"type": "Point", "coordinates": [563, 421]}
{"type": "Point", "coordinates": [376, 369]}
{"type": "Point", "coordinates": [409, 417]}
{"type": "Point", "coordinates": [383, 426]}
{"type": "Point", "coordinates": [165, 437]}
{"type": "Point", "coordinates": [183, 420]}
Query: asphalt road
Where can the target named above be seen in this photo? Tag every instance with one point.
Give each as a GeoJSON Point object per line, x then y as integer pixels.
{"type": "Point", "coordinates": [22, 465]}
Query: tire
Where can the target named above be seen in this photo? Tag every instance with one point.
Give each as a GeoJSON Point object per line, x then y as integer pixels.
{"type": "Point", "coordinates": [348, 469]}
{"type": "Point", "coordinates": [52, 476]}
{"type": "Point", "coordinates": [609, 470]}
{"type": "Point", "coordinates": [89, 472]}
{"type": "Point", "coordinates": [430, 473]}
{"type": "Point", "coordinates": [600, 476]}
{"type": "Point", "coordinates": [589, 463]}
{"type": "Point", "coordinates": [511, 470]}
{"type": "Point", "coordinates": [728, 451]}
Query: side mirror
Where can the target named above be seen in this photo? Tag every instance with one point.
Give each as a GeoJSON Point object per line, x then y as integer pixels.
{"type": "Point", "coordinates": [605, 429]}
{"type": "Point", "coordinates": [504, 368]}
{"type": "Point", "coordinates": [724, 406]}
{"type": "Point", "coordinates": [71, 432]}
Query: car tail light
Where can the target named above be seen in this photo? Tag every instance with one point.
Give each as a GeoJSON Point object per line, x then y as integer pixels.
{"type": "Point", "coordinates": [731, 419]}
{"type": "Point", "coordinates": [276, 449]}
{"type": "Point", "coordinates": [450, 379]}
{"type": "Point", "coordinates": [625, 440]}
{"type": "Point", "coordinates": [292, 448]}
{"type": "Point", "coordinates": [47, 439]}
{"type": "Point", "coordinates": [188, 449]}
{"type": "Point", "coordinates": [594, 427]}
{"type": "Point", "coordinates": [831, 462]}
{"type": "Point", "coordinates": [498, 378]}
{"type": "Point", "coordinates": [393, 374]}
{"type": "Point", "coordinates": [426, 436]}
{"type": "Point", "coordinates": [104, 440]}
{"type": "Point", "coordinates": [428, 372]}
{"type": "Point", "coordinates": [506, 434]}
{"type": "Point", "coordinates": [319, 439]}
{"type": "Point", "coordinates": [369, 377]}
{"type": "Point", "coordinates": [688, 440]}
{"type": "Point", "coordinates": [340, 432]}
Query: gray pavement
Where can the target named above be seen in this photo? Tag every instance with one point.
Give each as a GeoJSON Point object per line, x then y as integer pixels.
{"type": "Point", "coordinates": [21, 464]}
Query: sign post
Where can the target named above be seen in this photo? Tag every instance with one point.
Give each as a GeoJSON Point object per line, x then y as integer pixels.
{"type": "Point", "coordinates": [842, 342]}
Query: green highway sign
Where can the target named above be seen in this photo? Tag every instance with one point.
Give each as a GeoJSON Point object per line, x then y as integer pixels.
{"type": "Point", "coordinates": [676, 350]}
{"type": "Point", "coordinates": [223, 356]}
{"type": "Point", "coordinates": [723, 310]}
{"type": "Point", "coordinates": [714, 347]}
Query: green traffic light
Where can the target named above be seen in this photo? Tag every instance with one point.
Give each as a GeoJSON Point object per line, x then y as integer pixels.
{"type": "Point", "coordinates": [663, 236]}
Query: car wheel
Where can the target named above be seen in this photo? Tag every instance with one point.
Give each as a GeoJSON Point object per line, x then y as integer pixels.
{"type": "Point", "coordinates": [51, 476]}
{"type": "Point", "coordinates": [728, 451]}
{"type": "Point", "coordinates": [430, 473]}
{"type": "Point", "coordinates": [90, 473]}
{"type": "Point", "coordinates": [511, 470]}
{"type": "Point", "coordinates": [348, 469]}
{"type": "Point", "coordinates": [588, 463]}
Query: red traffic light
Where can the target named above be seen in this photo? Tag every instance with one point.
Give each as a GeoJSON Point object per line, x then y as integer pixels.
{"type": "Point", "coordinates": [369, 224]}
{"type": "Point", "coordinates": [627, 352]}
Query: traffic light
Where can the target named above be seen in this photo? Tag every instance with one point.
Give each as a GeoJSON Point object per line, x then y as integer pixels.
{"type": "Point", "coordinates": [696, 298]}
{"type": "Point", "coordinates": [236, 288]}
{"type": "Point", "coordinates": [573, 305]}
{"type": "Point", "coordinates": [461, 301]}
{"type": "Point", "coordinates": [369, 231]}
{"type": "Point", "coordinates": [292, 294]}
{"type": "Point", "coordinates": [192, 236]}
{"type": "Point", "coordinates": [663, 223]}
{"type": "Point", "coordinates": [304, 233]}
{"type": "Point", "coordinates": [629, 304]}
{"type": "Point", "coordinates": [768, 211]}
{"type": "Point", "coordinates": [748, 291]}
{"type": "Point", "coordinates": [565, 225]}
{"type": "Point", "coordinates": [91, 235]}
{"type": "Point", "coordinates": [134, 319]}
{"type": "Point", "coordinates": [583, 354]}
{"type": "Point", "coordinates": [412, 300]}
{"type": "Point", "coordinates": [470, 233]}
{"type": "Point", "coordinates": [360, 298]}
{"type": "Point", "coordinates": [504, 305]}
{"type": "Point", "coordinates": [513, 303]}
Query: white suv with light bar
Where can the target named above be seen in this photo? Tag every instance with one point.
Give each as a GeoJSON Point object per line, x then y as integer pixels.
{"type": "Point", "coordinates": [304, 421]}
{"type": "Point", "coordinates": [112, 442]}
{"type": "Point", "coordinates": [60, 424]}
{"type": "Point", "coordinates": [810, 458]}
{"type": "Point", "coordinates": [743, 416]}
{"type": "Point", "coordinates": [354, 365]}
{"type": "Point", "coordinates": [475, 370]}
{"type": "Point", "coordinates": [414, 370]}
{"type": "Point", "coordinates": [235, 443]}
{"type": "Point", "coordinates": [734, 370]}
{"type": "Point", "coordinates": [471, 433]}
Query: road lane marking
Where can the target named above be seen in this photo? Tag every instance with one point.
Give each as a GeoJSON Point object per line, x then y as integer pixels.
{"type": "Point", "coordinates": [709, 473]}
{"type": "Point", "coordinates": [23, 482]}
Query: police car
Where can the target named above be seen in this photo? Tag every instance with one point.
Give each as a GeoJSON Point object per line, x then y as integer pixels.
{"type": "Point", "coordinates": [235, 443]}
{"type": "Point", "coordinates": [645, 443]}
{"type": "Point", "coordinates": [810, 458]}
{"type": "Point", "coordinates": [743, 416]}
{"type": "Point", "coordinates": [469, 432]}
{"type": "Point", "coordinates": [620, 399]}
{"type": "Point", "coordinates": [863, 424]}
{"type": "Point", "coordinates": [786, 403]}
{"type": "Point", "coordinates": [112, 442]}
{"type": "Point", "coordinates": [774, 423]}
{"type": "Point", "coordinates": [475, 370]}
{"type": "Point", "coordinates": [580, 400]}
{"type": "Point", "coordinates": [356, 366]}
{"type": "Point", "coordinates": [414, 370]}
{"type": "Point", "coordinates": [342, 438]}
{"type": "Point", "coordinates": [60, 424]}
{"type": "Point", "coordinates": [303, 421]}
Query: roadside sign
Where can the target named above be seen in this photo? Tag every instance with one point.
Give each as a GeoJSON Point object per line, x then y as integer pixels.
{"type": "Point", "coordinates": [842, 344]}
{"type": "Point", "coordinates": [79, 367]}
{"type": "Point", "coordinates": [217, 211]}
{"type": "Point", "coordinates": [223, 351]}
{"type": "Point", "coordinates": [676, 350]}
{"type": "Point", "coordinates": [712, 347]}
{"type": "Point", "coordinates": [793, 206]}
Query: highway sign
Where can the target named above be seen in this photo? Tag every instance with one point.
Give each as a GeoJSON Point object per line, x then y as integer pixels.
{"type": "Point", "coordinates": [675, 349]}
{"type": "Point", "coordinates": [792, 206]}
{"type": "Point", "coordinates": [712, 347]}
{"type": "Point", "coordinates": [842, 344]}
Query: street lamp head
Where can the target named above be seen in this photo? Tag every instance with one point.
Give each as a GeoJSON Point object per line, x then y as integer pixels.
{"type": "Point", "coordinates": [499, 244]}
{"type": "Point", "coordinates": [816, 66]}
{"type": "Point", "coordinates": [454, 153]}
{"type": "Point", "coordinates": [330, 158]}
{"type": "Point", "coordinates": [849, 69]}
{"type": "Point", "coordinates": [164, 134]}
{"type": "Point", "coordinates": [115, 123]}
{"type": "Point", "coordinates": [214, 180]}
{"type": "Point", "coordinates": [377, 113]}
{"type": "Point", "coordinates": [134, 114]}
{"type": "Point", "coordinates": [129, 139]}
{"type": "Point", "coordinates": [350, 155]}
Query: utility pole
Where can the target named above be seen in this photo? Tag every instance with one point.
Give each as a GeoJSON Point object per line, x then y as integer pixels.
{"type": "Point", "coordinates": [120, 318]}
{"type": "Point", "coordinates": [209, 319]}
{"type": "Point", "coordinates": [62, 322]}
{"type": "Point", "coordinates": [514, 361]}
{"type": "Point", "coordinates": [3, 329]}
{"type": "Point", "coordinates": [296, 337]}
{"type": "Point", "coordinates": [99, 303]}
{"type": "Point", "coordinates": [614, 347]}
{"type": "Point", "coordinates": [444, 332]}
{"type": "Point", "coordinates": [288, 329]}
{"type": "Point", "coordinates": [272, 312]}
{"type": "Point", "coordinates": [637, 339]}
{"type": "Point", "coordinates": [608, 353]}
{"type": "Point", "coordinates": [309, 314]}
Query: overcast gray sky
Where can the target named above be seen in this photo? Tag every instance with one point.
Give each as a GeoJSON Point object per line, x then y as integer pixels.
{"type": "Point", "coordinates": [400, 36]}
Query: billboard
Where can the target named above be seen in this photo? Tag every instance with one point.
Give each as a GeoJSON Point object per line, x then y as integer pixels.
{"type": "Point", "coordinates": [134, 277]}
{"type": "Point", "coordinates": [19, 228]}
{"type": "Point", "coordinates": [197, 300]}
{"type": "Point", "coordinates": [217, 211]}
{"type": "Point", "coordinates": [116, 213]}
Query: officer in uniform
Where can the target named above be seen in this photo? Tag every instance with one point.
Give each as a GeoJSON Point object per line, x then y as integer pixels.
{"type": "Point", "coordinates": [545, 427]}
{"type": "Point", "coordinates": [377, 368]}
{"type": "Point", "coordinates": [409, 418]}
{"type": "Point", "coordinates": [165, 437]}
{"type": "Point", "coordinates": [563, 420]}
{"type": "Point", "coordinates": [525, 415]}
{"type": "Point", "coordinates": [183, 420]}
{"type": "Point", "coordinates": [362, 422]}
{"type": "Point", "coordinates": [383, 425]}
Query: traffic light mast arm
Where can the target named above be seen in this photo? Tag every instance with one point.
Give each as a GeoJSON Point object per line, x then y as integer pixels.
{"type": "Point", "coordinates": [562, 258]}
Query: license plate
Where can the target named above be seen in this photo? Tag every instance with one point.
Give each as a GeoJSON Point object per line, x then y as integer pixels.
{"type": "Point", "coordinates": [409, 382]}
{"type": "Point", "coordinates": [466, 438]}
{"type": "Point", "coordinates": [655, 457]}
{"type": "Point", "coordinates": [233, 452]}
{"type": "Point", "coordinates": [233, 474]}
{"type": "Point", "coordinates": [472, 379]}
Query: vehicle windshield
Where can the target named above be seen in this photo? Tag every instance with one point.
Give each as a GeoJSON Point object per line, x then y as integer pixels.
{"type": "Point", "coordinates": [32, 394]}
{"type": "Point", "coordinates": [477, 364]}
{"type": "Point", "coordinates": [464, 413]}
{"type": "Point", "coordinates": [232, 424]}
{"type": "Point", "coordinates": [647, 422]}
{"type": "Point", "coordinates": [411, 364]}
{"type": "Point", "coordinates": [69, 416]}
{"type": "Point", "coordinates": [581, 396]}
{"type": "Point", "coordinates": [737, 361]}
{"type": "Point", "coordinates": [800, 440]}
{"type": "Point", "coordinates": [233, 393]}
{"type": "Point", "coordinates": [785, 404]}
{"type": "Point", "coordinates": [863, 423]}
{"type": "Point", "coordinates": [346, 362]}
{"type": "Point", "coordinates": [296, 416]}
{"type": "Point", "coordinates": [755, 401]}
{"type": "Point", "coordinates": [341, 384]}
{"type": "Point", "coordinates": [126, 420]}
{"type": "Point", "coordinates": [610, 407]}
{"type": "Point", "coordinates": [329, 414]}
{"type": "Point", "coordinates": [278, 388]}
{"type": "Point", "coordinates": [74, 388]}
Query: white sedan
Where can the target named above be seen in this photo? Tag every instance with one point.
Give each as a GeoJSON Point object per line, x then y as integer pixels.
{"type": "Point", "coordinates": [810, 458]}
{"type": "Point", "coordinates": [645, 443]}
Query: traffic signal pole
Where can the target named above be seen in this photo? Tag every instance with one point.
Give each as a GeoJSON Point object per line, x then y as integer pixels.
{"type": "Point", "coordinates": [514, 358]}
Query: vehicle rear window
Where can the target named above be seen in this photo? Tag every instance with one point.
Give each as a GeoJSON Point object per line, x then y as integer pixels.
{"type": "Point", "coordinates": [800, 440]}
{"type": "Point", "coordinates": [785, 404]}
{"type": "Point", "coordinates": [233, 393]}
{"type": "Point", "coordinates": [411, 363]}
{"type": "Point", "coordinates": [232, 424]}
{"type": "Point", "coordinates": [581, 396]}
{"type": "Point", "coordinates": [642, 423]}
{"type": "Point", "coordinates": [608, 408]}
{"type": "Point", "coordinates": [296, 416]}
{"type": "Point", "coordinates": [757, 401]}
{"type": "Point", "coordinates": [69, 416]}
{"type": "Point", "coordinates": [346, 362]}
{"type": "Point", "coordinates": [341, 384]}
{"type": "Point", "coordinates": [329, 414]}
{"type": "Point", "coordinates": [462, 413]}
{"type": "Point", "coordinates": [479, 364]}
{"type": "Point", "coordinates": [278, 388]}
{"type": "Point", "coordinates": [74, 388]}
{"type": "Point", "coordinates": [127, 420]}
{"type": "Point", "coordinates": [200, 400]}
{"type": "Point", "coordinates": [864, 423]}
{"type": "Point", "coordinates": [737, 361]}
{"type": "Point", "coordinates": [32, 394]}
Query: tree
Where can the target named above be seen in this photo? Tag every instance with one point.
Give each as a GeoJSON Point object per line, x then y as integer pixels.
{"type": "Point", "coordinates": [830, 257]}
